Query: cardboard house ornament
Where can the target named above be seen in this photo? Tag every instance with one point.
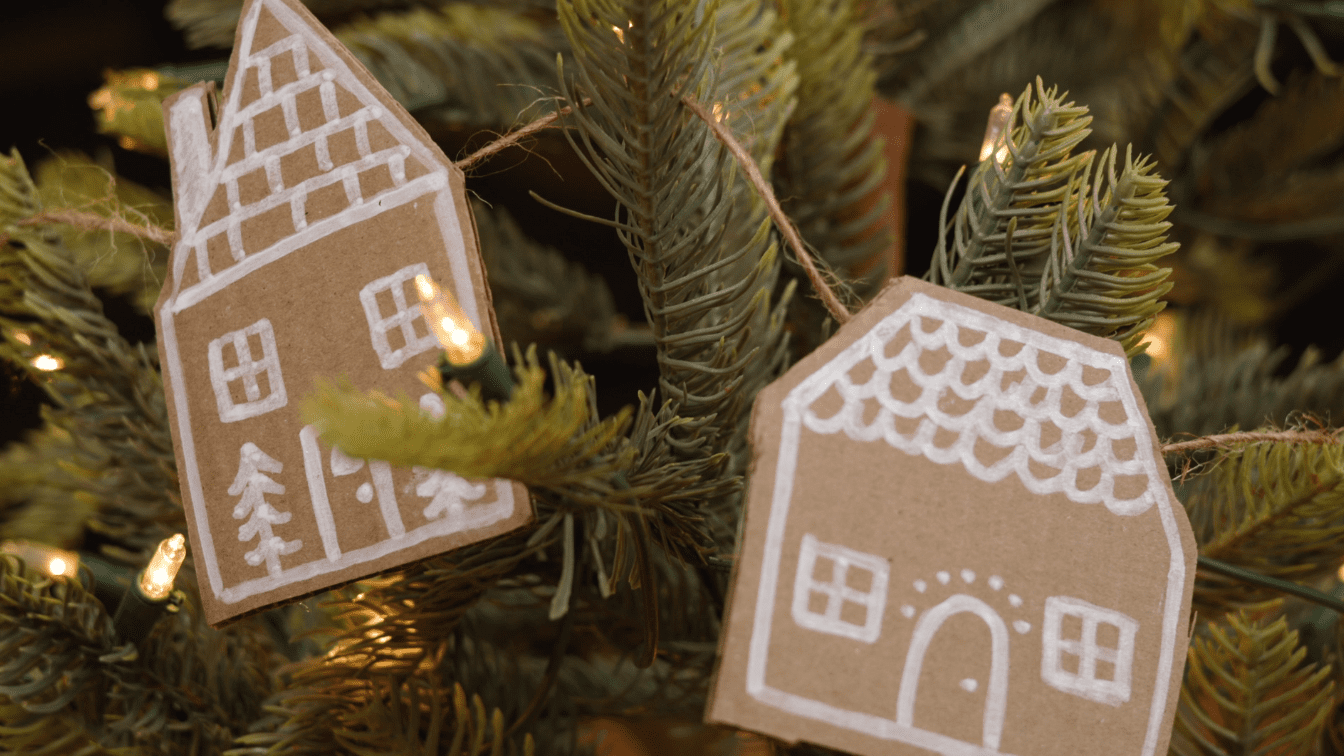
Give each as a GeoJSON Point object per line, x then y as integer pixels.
{"type": "Point", "coordinates": [960, 538]}
{"type": "Point", "coordinates": [304, 216]}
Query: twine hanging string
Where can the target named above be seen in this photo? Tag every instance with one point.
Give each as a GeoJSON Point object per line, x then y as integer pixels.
{"type": "Point", "coordinates": [1223, 440]}
{"type": "Point", "coordinates": [786, 227]}
{"type": "Point", "coordinates": [86, 221]}
{"type": "Point", "coordinates": [517, 135]}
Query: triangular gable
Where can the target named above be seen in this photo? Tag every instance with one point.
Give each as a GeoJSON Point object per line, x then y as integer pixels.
{"type": "Point", "coordinates": [303, 149]}
{"type": "Point", "coordinates": [956, 386]}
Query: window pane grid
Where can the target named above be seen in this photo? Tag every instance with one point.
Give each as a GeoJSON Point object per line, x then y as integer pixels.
{"type": "Point", "coordinates": [837, 591]}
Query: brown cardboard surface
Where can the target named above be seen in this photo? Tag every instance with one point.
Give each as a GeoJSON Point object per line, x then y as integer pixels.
{"type": "Point", "coordinates": [305, 207]}
{"type": "Point", "coordinates": [960, 538]}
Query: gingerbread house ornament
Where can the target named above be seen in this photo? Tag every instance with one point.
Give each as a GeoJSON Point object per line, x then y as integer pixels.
{"type": "Point", "coordinates": [960, 538]}
{"type": "Point", "coordinates": [305, 207]}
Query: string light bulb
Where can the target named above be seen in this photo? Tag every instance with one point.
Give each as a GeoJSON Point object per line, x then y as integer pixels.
{"type": "Point", "coordinates": [54, 562]}
{"type": "Point", "coordinates": [996, 130]}
{"type": "Point", "coordinates": [156, 582]}
{"type": "Point", "coordinates": [48, 362]}
{"type": "Point", "coordinates": [459, 337]}
{"type": "Point", "coordinates": [151, 593]}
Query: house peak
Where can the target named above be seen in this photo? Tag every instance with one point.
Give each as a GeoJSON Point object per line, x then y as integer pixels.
{"type": "Point", "coordinates": [307, 143]}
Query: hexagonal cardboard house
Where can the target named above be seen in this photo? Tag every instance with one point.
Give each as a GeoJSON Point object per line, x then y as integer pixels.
{"type": "Point", "coordinates": [960, 538]}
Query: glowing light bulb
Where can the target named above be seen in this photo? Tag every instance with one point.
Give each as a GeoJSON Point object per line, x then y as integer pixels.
{"type": "Point", "coordinates": [451, 326]}
{"type": "Point", "coordinates": [48, 362]}
{"type": "Point", "coordinates": [1160, 336]}
{"type": "Point", "coordinates": [55, 562]}
{"type": "Point", "coordinates": [23, 338]}
{"type": "Point", "coordinates": [996, 130]}
{"type": "Point", "coordinates": [156, 582]}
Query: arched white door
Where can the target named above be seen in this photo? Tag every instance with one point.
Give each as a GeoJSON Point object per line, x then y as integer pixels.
{"type": "Point", "coordinates": [996, 698]}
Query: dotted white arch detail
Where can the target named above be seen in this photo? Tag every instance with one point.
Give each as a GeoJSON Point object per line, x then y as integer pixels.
{"type": "Point", "coordinates": [1043, 469]}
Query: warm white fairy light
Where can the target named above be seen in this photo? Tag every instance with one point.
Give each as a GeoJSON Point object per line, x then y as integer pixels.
{"type": "Point", "coordinates": [156, 582]}
{"type": "Point", "coordinates": [451, 326]}
{"type": "Point", "coordinates": [48, 362]}
{"type": "Point", "coordinates": [53, 561]}
{"type": "Point", "coordinates": [996, 130]}
{"type": "Point", "coordinates": [1160, 336]}
{"type": "Point", "coordinates": [23, 338]}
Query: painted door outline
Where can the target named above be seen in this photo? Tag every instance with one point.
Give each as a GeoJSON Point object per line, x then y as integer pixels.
{"type": "Point", "coordinates": [996, 693]}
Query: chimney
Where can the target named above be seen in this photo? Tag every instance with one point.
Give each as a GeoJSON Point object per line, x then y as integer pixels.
{"type": "Point", "coordinates": [189, 148]}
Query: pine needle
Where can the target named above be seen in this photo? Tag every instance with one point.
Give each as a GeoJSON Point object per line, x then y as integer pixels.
{"type": "Point", "coordinates": [1247, 690]}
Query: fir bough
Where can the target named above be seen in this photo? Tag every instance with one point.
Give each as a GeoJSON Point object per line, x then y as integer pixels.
{"type": "Point", "coordinates": [1039, 232]}
{"type": "Point", "coordinates": [1248, 690]}
{"type": "Point", "coordinates": [699, 240]}
{"type": "Point", "coordinates": [108, 394]}
{"type": "Point", "coordinates": [1273, 508]}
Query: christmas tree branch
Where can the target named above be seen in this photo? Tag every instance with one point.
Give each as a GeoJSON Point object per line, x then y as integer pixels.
{"type": "Point", "coordinates": [782, 222]}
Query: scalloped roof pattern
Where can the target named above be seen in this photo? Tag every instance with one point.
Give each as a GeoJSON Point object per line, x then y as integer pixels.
{"type": "Point", "coordinates": [966, 388]}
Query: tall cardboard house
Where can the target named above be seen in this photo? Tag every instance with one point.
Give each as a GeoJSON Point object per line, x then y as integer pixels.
{"type": "Point", "coordinates": [306, 205]}
{"type": "Point", "coordinates": [960, 538]}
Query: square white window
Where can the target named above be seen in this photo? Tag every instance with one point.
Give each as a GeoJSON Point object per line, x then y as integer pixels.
{"type": "Point", "coordinates": [1096, 642]}
{"type": "Point", "coordinates": [840, 591]}
{"type": "Point", "coordinates": [398, 330]}
{"type": "Point", "coordinates": [239, 389]}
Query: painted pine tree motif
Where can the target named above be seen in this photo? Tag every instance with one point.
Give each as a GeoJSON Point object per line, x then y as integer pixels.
{"type": "Point", "coordinates": [251, 485]}
{"type": "Point", "coordinates": [448, 493]}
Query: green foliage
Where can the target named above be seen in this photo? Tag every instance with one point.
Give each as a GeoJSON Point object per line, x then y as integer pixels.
{"type": "Point", "coordinates": [129, 106]}
{"type": "Point", "coordinates": [537, 442]}
{"type": "Point", "coordinates": [540, 297]}
{"type": "Point", "coordinates": [698, 238]}
{"type": "Point", "coordinates": [108, 396]}
{"type": "Point", "coordinates": [486, 65]}
{"type": "Point", "coordinates": [1036, 232]}
{"type": "Point", "coordinates": [1247, 690]}
{"type": "Point", "coordinates": [1026, 192]}
{"type": "Point", "coordinates": [1099, 276]}
{"type": "Point", "coordinates": [832, 165]}
{"type": "Point", "coordinates": [56, 645]}
{"type": "Point", "coordinates": [42, 492]}
{"type": "Point", "coordinates": [383, 683]}
{"type": "Point", "coordinates": [69, 685]}
{"type": "Point", "coordinates": [1219, 377]}
{"type": "Point", "coordinates": [1273, 508]}
{"type": "Point", "coordinates": [117, 261]}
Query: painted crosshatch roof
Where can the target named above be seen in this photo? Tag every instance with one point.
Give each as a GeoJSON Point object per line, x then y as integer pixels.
{"type": "Point", "coordinates": [303, 148]}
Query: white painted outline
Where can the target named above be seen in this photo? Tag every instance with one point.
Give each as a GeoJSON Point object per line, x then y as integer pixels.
{"type": "Point", "coordinates": [812, 388]}
{"type": "Point", "coordinates": [198, 173]}
{"type": "Point", "coordinates": [996, 695]}
{"type": "Point", "coordinates": [403, 317]}
{"type": "Point", "coordinates": [247, 370]}
{"type": "Point", "coordinates": [1084, 682]}
{"type": "Point", "coordinates": [837, 592]}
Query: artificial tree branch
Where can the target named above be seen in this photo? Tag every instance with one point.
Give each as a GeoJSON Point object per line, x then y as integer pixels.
{"type": "Point", "coordinates": [786, 227]}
